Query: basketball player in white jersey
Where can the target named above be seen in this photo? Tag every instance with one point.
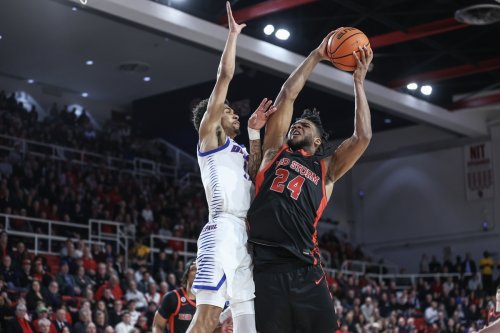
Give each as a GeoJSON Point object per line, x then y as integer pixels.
{"type": "Point", "coordinates": [224, 265]}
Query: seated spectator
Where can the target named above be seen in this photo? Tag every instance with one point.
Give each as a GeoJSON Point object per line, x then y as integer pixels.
{"type": "Point", "coordinates": [100, 321]}
{"type": "Point", "coordinates": [84, 319]}
{"type": "Point", "coordinates": [52, 295]}
{"type": "Point", "coordinates": [431, 313]}
{"type": "Point", "coordinates": [20, 323]}
{"type": "Point", "coordinates": [25, 276]}
{"type": "Point", "coordinates": [82, 280]}
{"type": "Point", "coordinates": [134, 294]}
{"type": "Point", "coordinates": [114, 285]}
{"type": "Point", "coordinates": [42, 317]}
{"type": "Point", "coordinates": [125, 325]}
{"type": "Point", "coordinates": [66, 281]}
{"type": "Point", "coordinates": [152, 296]}
{"type": "Point", "coordinates": [10, 276]}
{"type": "Point", "coordinates": [44, 326]}
{"type": "Point", "coordinates": [134, 314]}
{"type": "Point", "coordinates": [34, 296]}
{"type": "Point", "coordinates": [115, 314]}
{"type": "Point", "coordinates": [60, 320]}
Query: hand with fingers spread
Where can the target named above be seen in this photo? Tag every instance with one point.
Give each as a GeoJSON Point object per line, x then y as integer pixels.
{"type": "Point", "coordinates": [259, 118]}
{"type": "Point", "coordinates": [363, 63]}
{"type": "Point", "coordinates": [233, 26]}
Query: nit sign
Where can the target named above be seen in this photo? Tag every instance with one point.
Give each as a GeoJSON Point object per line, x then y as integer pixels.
{"type": "Point", "coordinates": [478, 171]}
{"type": "Point", "coordinates": [477, 152]}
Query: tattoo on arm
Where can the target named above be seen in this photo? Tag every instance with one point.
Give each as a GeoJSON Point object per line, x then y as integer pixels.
{"type": "Point", "coordinates": [255, 158]}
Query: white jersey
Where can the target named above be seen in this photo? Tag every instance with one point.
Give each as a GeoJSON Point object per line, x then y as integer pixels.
{"type": "Point", "coordinates": [224, 173]}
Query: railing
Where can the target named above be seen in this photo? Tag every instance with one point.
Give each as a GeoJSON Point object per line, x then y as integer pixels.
{"type": "Point", "coordinates": [138, 166]}
{"type": "Point", "coordinates": [44, 243]}
{"type": "Point", "coordinates": [110, 232]}
{"type": "Point", "coordinates": [402, 281]}
{"type": "Point", "coordinates": [189, 246]}
{"type": "Point", "coordinates": [363, 267]}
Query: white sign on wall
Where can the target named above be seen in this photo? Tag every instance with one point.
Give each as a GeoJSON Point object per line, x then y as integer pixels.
{"type": "Point", "coordinates": [478, 171]}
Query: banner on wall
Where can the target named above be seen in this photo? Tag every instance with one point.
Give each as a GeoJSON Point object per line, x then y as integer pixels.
{"type": "Point", "coordinates": [478, 171]}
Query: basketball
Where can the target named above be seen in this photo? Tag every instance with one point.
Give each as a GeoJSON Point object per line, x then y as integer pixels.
{"type": "Point", "coordinates": [341, 45]}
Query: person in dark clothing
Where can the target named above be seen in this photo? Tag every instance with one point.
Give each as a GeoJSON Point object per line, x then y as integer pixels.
{"type": "Point", "coordinates": [178, 306]}
{"type": "Point", "coordinates": [294, 184]}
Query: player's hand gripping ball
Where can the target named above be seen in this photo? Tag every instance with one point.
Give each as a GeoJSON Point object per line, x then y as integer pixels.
{"type": "Point", "coordinates": [342, 44]}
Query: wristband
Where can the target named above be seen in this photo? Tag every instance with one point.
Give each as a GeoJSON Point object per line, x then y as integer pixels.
{"type": "Point", "coordinates": [253, 134]}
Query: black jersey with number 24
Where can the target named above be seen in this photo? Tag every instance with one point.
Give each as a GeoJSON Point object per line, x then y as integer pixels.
{"type": "Point", "coordinates": [290, 198]}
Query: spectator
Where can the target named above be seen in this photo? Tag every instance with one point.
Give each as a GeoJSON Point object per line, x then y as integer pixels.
{"type": "Point", "coordinates": [431, 313]}
{"type": "Point", "coordinates": [60, 320]}
{"type": "Point", "coordinates": [10, 276]}
{"type": "Point", "coordinates": [368, 309]}
{"type": "Point", "coordinates": [486, 264]}
{"type": "Point", "coordinates": [20, 323]}
{"type": "Point", "coordinates": [42, 316]}
{"type": "Point", "coordinates": [34, 296]}
{"type": "Point", "coordinates": [115, 314]}
{"type": "Point", "coordinates": [125, 326]}
{"type": "Point", "coordinates": [52, 295]}
{"type": "Point", "coordinates": [152, 295]}
{"type": "Point", "coordinates": [85, 318]}
{"type": "Point", "coordinates": [469, 266]}
{"type": "Point", "coordinates": [100, 321]}
{"type": "Point", "coordinates": [114, 285]}
{"type": "Point", "coordinates": [66, 281]}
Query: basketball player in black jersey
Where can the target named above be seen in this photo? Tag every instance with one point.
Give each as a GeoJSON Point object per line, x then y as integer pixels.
{"type": "Point", "coordinates": [293, 186]}
{"type": "Point", "coordinates": [178, 306]}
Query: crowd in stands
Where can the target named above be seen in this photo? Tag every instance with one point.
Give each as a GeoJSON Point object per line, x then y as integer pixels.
{"type": "Point", "coordinates": [87, 288]}
{"type": "Point", "coordinates": [62, 126]}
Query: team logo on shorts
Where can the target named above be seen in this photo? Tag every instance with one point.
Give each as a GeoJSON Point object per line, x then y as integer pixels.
{"type": "Point", "coordinates": [183, 299]}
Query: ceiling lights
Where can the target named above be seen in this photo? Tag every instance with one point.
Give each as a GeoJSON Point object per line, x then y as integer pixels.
{"type": "Point", "coordinates": [281, 34]}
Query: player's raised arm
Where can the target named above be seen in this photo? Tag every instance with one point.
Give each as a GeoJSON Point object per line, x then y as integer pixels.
{"type": "Point", "coordinates": [278, 125]}
{"type": "Point", "coordinates": [211, 120]}
{"type": "Point", "coordinates": [351, 149]}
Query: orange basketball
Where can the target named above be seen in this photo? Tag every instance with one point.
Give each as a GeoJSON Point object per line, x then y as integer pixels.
{"type": "Point", "coordinates": [341, 45]}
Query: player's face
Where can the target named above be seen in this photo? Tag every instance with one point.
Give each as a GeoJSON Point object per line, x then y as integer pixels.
{"type": "Point", "coordinates": [230, 122]}
{"type": "Point", "coordinates": [302, 134]}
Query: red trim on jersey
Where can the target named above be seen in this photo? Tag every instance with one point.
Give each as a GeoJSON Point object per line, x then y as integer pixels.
{"type": "Point", "coordinates": [260, 175]}
{"type": "Point", "coordinates": [493, 315]}
{"type": "Point", "coordinates": [190, 301]}
{"type": "Point", "coordinates": [176, 312]}
{"type": "Point", "coordinates": [321, 208]}
{"type": "Point", "coordinates": [301, 152]}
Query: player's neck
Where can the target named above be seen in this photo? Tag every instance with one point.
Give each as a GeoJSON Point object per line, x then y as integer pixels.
{"type": "Point", "coordinates": [498, 307]}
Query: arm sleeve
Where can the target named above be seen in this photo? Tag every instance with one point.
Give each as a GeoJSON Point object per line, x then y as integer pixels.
{"type": "Point", "coordinates": [168, 305]}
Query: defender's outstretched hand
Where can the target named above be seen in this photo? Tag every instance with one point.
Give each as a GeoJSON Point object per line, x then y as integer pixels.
{"type": "Point", "coordinates": [363, 63]}
{"type": "Point", "coordinates": [259, 118]}
{"type": "Point", "coordinates": [233, 26]}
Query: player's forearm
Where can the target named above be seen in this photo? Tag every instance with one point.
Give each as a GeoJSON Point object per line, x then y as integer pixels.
{"type": "Point", "coordinates": [362, 120]}
{"type": "Point", "coordinates": [296, 81]}
{"type": "Point", "coordinates": [255, 158]}
{"type": "Point", "coordinates": [228, 59]}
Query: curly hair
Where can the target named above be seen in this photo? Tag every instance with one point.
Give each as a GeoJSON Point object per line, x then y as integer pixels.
{"type": "Point", "coordinates": [313, 117]}
{"type": "Point", "coordinates": [185, 275]}
{"type": "Point", "coordinates": [199, 110]}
